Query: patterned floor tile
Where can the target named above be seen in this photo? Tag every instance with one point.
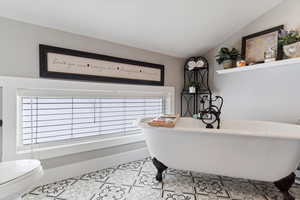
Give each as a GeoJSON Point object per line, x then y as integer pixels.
{"type": "Point", "coordinates": [111, 192]}
{"type": "Point", "coordinates": [144, 193]}
{"type": "Point", "coordinates": [178, 183]}
{"type": "Point", "coordinates": [205, 176]}
{"type": "Point", "coordinates": [178, 172]}
{"type": "Point", "coordinates": [54, 189]}
{"type": "Point", "coordinates": [226, 178]}
{"type": "Point", "coordinates": [243, 190]}
{"type": "Point", "coordinates": [210, 197]}
{"type": "Point", "coordinates": [148, 159]}
{"type": "Point", "coordinates": [136, 181]}
{"type": "Point", "coordinates": [100, 175]}
{"type": "Point", "coordinates": [148, 179]}
{"type": "Point", "coordinates": [178, 196]}
{"type": "Point", "coordinates": [127, 177]}
{"type": "Point", "coordinates": [211, 187]}
{"type": "Point", "coordinates": [295, 191]}
{"type": "Point", "coordinates": [37, 197]}
{"type": "Point", "coordinates": [149, 167]}
{"type": "Point", "coordinates": [82, 190]}
{"type": "Point", "coordinates": [268, 189]}
{"type": "Point", "coordinates": [135, 165]}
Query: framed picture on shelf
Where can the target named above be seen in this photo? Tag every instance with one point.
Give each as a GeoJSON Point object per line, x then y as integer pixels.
{"type": "Point", "coordinates": [255, 45]}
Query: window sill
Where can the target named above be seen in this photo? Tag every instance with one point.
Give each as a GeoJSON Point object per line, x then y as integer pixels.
{"type": "Point", "coordinates": [67, 149]}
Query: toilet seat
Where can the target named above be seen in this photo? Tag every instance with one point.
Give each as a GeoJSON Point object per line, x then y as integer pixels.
{"type": "Point", "coordinates": [18, 176]}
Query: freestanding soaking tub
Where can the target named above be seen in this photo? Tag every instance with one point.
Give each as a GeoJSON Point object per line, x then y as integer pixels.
{"type": "Point", "coordinates": [257, 150]}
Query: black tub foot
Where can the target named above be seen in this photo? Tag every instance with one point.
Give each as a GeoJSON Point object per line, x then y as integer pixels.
{"type": "Point", "coordinates": [285, 184]}
{"type": "Point", "coordinates": [160, 169]}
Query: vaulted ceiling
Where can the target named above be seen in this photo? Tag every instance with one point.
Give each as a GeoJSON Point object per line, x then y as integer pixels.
{"type": "Point", "coordinates": [179, 28]}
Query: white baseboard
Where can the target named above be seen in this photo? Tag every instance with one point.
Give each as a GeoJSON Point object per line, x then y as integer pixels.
{"type": "Point", "coordinates": [76, 169]}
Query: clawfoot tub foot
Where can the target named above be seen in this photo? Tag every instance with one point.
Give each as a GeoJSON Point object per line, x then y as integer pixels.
{"type": "Point", "coordinates": [285, 184]}
{"type": "Point", "coordinates": [160, 169]}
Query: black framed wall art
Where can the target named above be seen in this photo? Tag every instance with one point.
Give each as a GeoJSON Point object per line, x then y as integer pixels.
{"type": "Point", "coordinates": [56, 62]}
{"type": "Point", "coordinates": [255, 45]}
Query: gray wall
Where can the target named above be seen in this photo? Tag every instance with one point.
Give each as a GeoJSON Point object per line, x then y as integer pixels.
{"type": "Point", "coordinates": [19, 48]}
{"type": "Point", "coordinates": [270, 94]}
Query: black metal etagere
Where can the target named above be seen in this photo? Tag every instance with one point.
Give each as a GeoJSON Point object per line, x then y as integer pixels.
{"type": "Point", "coordinates": [192, 103]}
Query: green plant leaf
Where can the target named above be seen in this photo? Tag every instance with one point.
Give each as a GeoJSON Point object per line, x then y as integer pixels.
{"type": "Point", "coordinates": [226, 54]}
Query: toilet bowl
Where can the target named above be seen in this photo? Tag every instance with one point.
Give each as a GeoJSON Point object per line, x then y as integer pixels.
{"type": "Point", "coordinates": [17, 177]}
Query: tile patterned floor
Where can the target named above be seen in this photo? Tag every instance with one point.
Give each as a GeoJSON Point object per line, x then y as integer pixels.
{"type": "Point", "coordinates": [135, 181]}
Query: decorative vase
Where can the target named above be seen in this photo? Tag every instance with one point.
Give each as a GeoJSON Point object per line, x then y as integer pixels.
{"type": "Point", "coordinates": [292, 50]}
{"type": "Point", "coordinates": [270, 55]}
{"type": "Point", "coordinates": [227, 64]}
{"type": "Point", "coordinates": [192, 89]}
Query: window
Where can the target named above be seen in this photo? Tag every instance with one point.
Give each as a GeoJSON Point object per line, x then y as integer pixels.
{"type": "Point", "coordinates": [43, 118]}
{"type": "Point", "coordinates": [49, 119]}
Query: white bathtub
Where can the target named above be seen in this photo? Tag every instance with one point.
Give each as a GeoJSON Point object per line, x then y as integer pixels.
{"type": "Point", "coordinates": [256, 150]}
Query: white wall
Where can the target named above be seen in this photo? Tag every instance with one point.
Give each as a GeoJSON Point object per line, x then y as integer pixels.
{"type": "Point", "coordinates": [270, 94]}
{"type": "Point", "coordinates": [19, 48]}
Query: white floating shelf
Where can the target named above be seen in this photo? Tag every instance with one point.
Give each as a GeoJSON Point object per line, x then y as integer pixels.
{"type": "Point", "coordinates": [261, 66]}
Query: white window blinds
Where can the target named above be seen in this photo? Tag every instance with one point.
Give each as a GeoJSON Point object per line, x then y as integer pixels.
{"type": "Point", "coordinates": [46, 119]}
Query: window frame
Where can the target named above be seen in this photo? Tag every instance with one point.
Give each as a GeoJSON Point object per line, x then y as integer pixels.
{"type": "Point", "coordinates": [13, 88]}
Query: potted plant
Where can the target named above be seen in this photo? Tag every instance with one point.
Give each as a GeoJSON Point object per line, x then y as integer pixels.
{"type": "Point", "coordinates": [193, 87]}
{"type": "Point", "coordinates": [227, 57]}
{"type": "Point", "coordinates": [290, 42]}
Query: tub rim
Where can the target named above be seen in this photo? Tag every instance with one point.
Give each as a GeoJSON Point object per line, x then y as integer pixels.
{"type": "Point", "coordinates": [239, 132]}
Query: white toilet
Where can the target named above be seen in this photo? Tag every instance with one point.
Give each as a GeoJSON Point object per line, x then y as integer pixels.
{"type": "Point", "coordinates": [17, 177]}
